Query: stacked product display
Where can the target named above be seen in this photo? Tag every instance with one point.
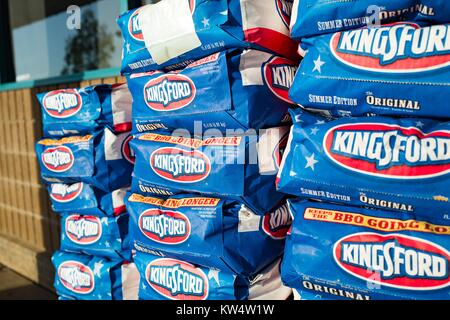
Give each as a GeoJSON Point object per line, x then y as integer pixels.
{"type": "Point", "coordinates": [374, 153]}
{"type": "Point", "coordinates": [86, 162]}
{"type": "Point", "coordinates": [210, 194]}
{"type": "Point", "coordinates": [206, 221]}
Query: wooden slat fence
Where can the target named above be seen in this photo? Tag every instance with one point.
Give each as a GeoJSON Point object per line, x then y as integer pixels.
{"type": "Point", "coordinates": [29, 230]}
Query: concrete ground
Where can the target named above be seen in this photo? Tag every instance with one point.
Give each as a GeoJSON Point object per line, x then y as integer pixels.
{"type": "Point", "coordinates": [15, 287]}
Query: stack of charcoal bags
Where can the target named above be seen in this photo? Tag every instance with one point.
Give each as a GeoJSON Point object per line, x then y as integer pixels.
{"type": "Point", "coordinates": [372, 149]}
{"type": "Point", "coordinates": [205, 218]}
{"type": "Point", "coordinates": [86, 162]}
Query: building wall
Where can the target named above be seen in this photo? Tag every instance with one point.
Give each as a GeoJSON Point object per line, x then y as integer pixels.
{"type": "Point", "coordinates": [29, 230]}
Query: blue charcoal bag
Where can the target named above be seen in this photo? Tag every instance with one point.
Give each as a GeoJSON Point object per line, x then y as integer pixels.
{"type": "Point", "coordinates": [105, 237]}
{"type": "Point", "coordinates": [219, 25]}
{"type": "Point", "coordinates": [101, 159]}
{"type": "Point", "coordinates": [341, 252]}
{"type": "Point", "coordinates": [211, 232]}
{"type": "Point", "coordinates": [385, 163]}
{"type": "Point", "coordinates": [225, 166]}
{"type": "Point", "coordinates": [227, 90]}
{"type": "Point", "coordinates": [397, 70]}
{"type": "Point", "coordinates": [83, 277]}
{"type": "Point", "coordinates": [171, 279]}
{"type": "Point", "coordinates": [84, 110]}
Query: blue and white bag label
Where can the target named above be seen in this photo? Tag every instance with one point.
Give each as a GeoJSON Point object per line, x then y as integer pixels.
{"type": "Point", "coordinates": [213, 166]}
{"type": "Point", "coordinates": [83, 277]}
{"type": "Point", "coordinates": [396, 70]}
{"type": "Point", "coordinates": [211, 232]}
{"type": "Point", "coordinates": [102, 159]}
{"type": "Point", "coordinates": [82, 111]}
{"type": "Point", "coordinates": [385, 163]}
{"type": "Point", "coordinates": [171, 279]}
{"type": "Point", "coordinates": [227, 90]}
{"type": "Point", "coordinates": [100, 236]}
{"type": "Point", "coordinates": [340, 252]}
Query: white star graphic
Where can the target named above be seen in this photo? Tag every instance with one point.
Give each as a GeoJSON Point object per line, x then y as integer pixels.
{"type": "Point", "coordinates": [105, 221]}
{"type": "Point", "coordinates": [318, 65]}
{"type": "Point", "coordinates": [144, 286]}
{"type": "Point", "coordinates": [107, 244]}
{"type": "Point", "coordinates": [214, 274]}
{"type": "Point", "coordinates": [205, 22]}
{"type": "Point", "coordinates": [314, 131]}
{"type": "Point", "coordinates": [298, 118]}
{"type": "Point", "coordinates": [128, 48]}
{"type": "Point", "coordinates": [97, 267]}
{"type": "Point", "coordinates": [419, 124]}
{"type": "Point", "coordinates": [320, 122]}
{"type": "Point", "coordinates": [311, 162]}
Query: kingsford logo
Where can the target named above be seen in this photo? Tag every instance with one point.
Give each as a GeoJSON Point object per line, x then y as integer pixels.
{"type": "Point", "coordinates": [277, 223]}
{"type": "Point", "coordinates": [177, 280]}
{"type": "Point", "coordinates": [134, 26]}
{"type": "Point", "coordinates": [279, 75]}
{"type": "Point", "coordinates": [58, 159]}
{"type": "Point", "coordinates": [65, 192]}
{"type": "Point", "coordinates": [399, 48]}
{"type": "Point", "coordinates": [168, 227]}
{"type": "Point", "coordinates": [62, 103]}
{"type": "Point", "coordinates": [394, 260]}
{"type": "Point", "coordinates": [175, 164]}
{"type": "Point", "coordinates": [127, 152]}
{"type": "Point", "coordinates": [169, 92]}
{"type": "Point", "coordinates": [83, 230]}
{"type": "Point", "coordinates": [76, 277]}
{"type": "Point", "coordinates": [389, 151]}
